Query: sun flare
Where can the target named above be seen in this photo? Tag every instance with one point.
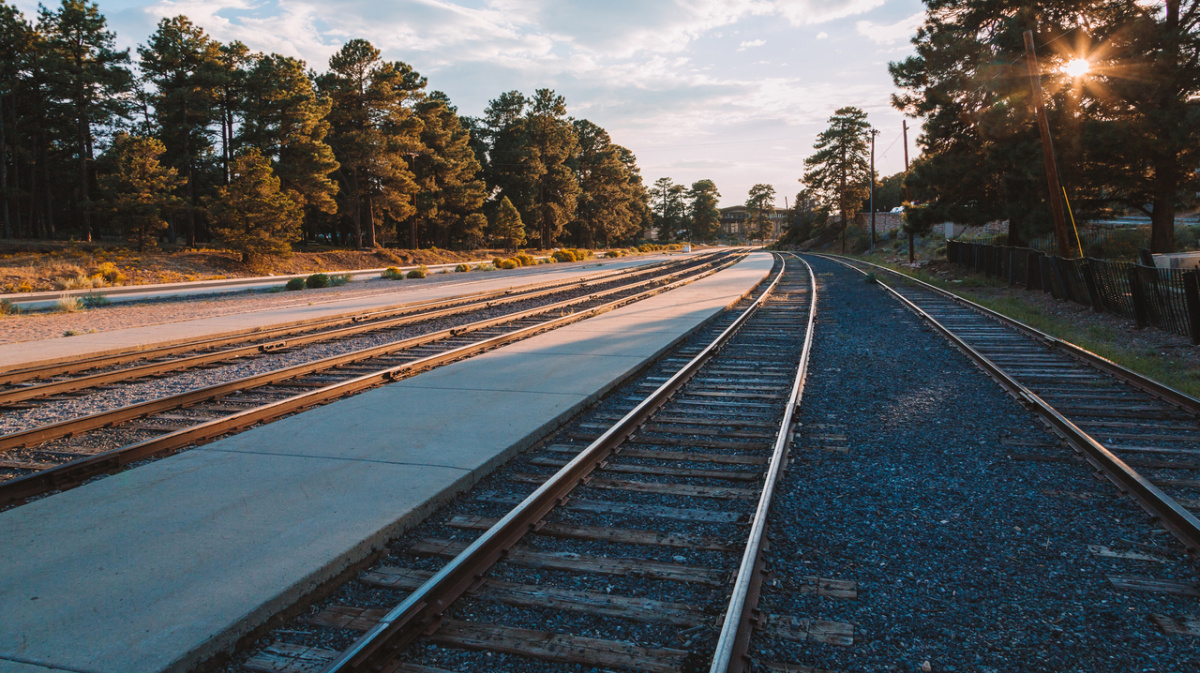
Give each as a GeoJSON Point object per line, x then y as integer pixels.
{"type": "Point", "coordinates": [1077, 67]}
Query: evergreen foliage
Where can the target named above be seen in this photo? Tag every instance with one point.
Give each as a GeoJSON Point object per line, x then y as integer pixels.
{"type": "Point", "coordinates": [838, 173]}
{"type": "Point", "coordinates": [251, 214]}
{"type": "Point", "coordinates": [139, 189]}
{"type": "Point", "coordinates": [760, 204]}
{"type": "Point", "coordinates": [509, 230]}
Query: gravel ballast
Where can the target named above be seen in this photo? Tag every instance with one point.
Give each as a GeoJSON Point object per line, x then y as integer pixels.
{"type": "Point", "coordinates": [970, 530]}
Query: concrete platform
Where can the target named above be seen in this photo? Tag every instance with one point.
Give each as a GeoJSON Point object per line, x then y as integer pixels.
{"type": "Point", "coordinates": [164, 566]}
{"type": "Point", "coordinates": [29, 353]}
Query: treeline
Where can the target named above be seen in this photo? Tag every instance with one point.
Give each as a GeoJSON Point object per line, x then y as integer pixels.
{"type": "Point", "coordinates": [680, 212]}
{"type": "Point", "coordinates": [194, 140]}
{"type": "Point", "coordinates": [1125, 118]}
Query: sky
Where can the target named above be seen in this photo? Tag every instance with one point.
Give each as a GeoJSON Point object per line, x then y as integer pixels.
{"type": "Point", "coordinates": [734, 91]}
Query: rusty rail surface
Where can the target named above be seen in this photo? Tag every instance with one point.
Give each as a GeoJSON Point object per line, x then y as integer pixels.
{"type": "Point", "coordinates": [360, 325]}
{"type": "Point", "coordinates": [262, 337]}
{"type": "Point", "coordinates": [423, 610]}
{"type": "Point", "coordinates": [74, 472]}
{"type": "Point", "coordinates": [1173, 516]}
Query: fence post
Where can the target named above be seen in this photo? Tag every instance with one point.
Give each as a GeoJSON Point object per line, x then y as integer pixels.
{"type": "Point", "coordinates": [1033, 270]}
{"type": "Point", "coordinates": [1064, 290]}
{"type": "Point", "coordinates": [1138, 295]}
{"type": "Point", "coordinates": [1089, 279]}
{"type": "Point", "coordinates": [1012, 267]}
{"type": "Point", "coordinates": [1191, 294]}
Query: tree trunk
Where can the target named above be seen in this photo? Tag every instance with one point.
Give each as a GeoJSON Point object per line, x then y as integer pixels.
{"type": "Point", "coordinates": [4, 172]}
{"type": "Point", "coordinates": [412, 232]}
{"type": "Point", "coordinates": [46, 183]}
{"type": "Point", "coordinates": [85, 202]}
{"type": "Point", "coordinates": [358, 236]}
{"type": "Point", "coordinates": [369, 230]}
{"type": "Point", "coordinates": [1162, 219]}
{"type": "Point", "coordinates": [191, 213]}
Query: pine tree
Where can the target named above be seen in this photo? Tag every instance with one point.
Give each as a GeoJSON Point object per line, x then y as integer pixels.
{"type": "Point", "coordinates": [607, 207]}
{"type": "Point", "coordinates": [286, 120]}
{"type": "Point", "coordinates": [373, 132]}
{"type": "Point", "coordinates": [138, 188]}
{"type": "Point", "coordinates": [184, 65]}
{"type": "Point", "coordinates": [508, 228]}
{"type": "Point", "coordinates": [668, 206]}
{"type": "Point", "coordinates": [16, 43]}
{"type": "Point", "coordinates": [251, 214]}
{"type": "Point", "coordinates": [446, 172]}
{"type": "Point", "coordinates": [88, 82]}
{"type": "Point", "coordinates": [760, 205]}
{"type": "Point", "coordinates": [229, 97]}
{"type": "Point", "coordinates": [838, 173]}
{"type": "Point", "coordinates": [704, 218]}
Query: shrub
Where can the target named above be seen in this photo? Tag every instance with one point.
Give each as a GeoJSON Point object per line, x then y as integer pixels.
{"type": "Point", "coordinates": [496, 261]}
{"type": "Point", "coordinates": [614, 253]}
{"type": "Point", "coordinates": [524, 259]}
{"type": "Point", "coordinates": [109, 272]}
{"type": "Point", "coordinates": [80, 282]}
{"type": "Point", "coordinates": [508, 264]}
{"type": "Point", "coordinates": [462, 268]}
{"type": "Point", "coordinates": [419, 272]}
{"type": "Point", "coordinates": [486, 267]}
{"type": "Point", "coordinates": [392, 273]}
{"type": "Point", "coordinates": [294, 284]}
{"type": "Point", "coordinates": [563, 255]}
{"type": "Point", "coordinates": [8, 308]}
{"type": "Point", "coordinates": [1187, 237]}
{"type": "Point", "coordinates": [339, 279]}
{"type": "Point", "coordinates": [67, 304]}
{"type": "Point", "coordinates": [95, 300]}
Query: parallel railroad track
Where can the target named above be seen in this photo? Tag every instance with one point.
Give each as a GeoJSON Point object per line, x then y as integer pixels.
{"type": "Point", "coordinates": [63, 454]}
{"type": "Point", "coordinates": [1139, 434]}
{"type": "Point", "coordinates": [645, 529]}
{"type": "Point", "coordinates": [19, 386]}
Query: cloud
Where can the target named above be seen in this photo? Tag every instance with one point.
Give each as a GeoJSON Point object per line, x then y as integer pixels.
{"type": "Point", "coordinates": [891, 33]}
{"type": "Point", "coordinates": [822, 35]}
{"type": "Point", "coordinates": [751, 43]}
{"type": "Point", "coordinates": [808, 12]}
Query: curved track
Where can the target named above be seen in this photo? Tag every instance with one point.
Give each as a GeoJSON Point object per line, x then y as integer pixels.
{"type": "Point", "coordinates": [645, 526]}
{"type": "Point", "coordinates": [64, 453]}
{"type": "Point", "coordinates": [1141, 435]}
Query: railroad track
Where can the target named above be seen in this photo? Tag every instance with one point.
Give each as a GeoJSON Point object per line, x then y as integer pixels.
{"type": "Point", "coordinates": [1141, 435]}
{"type": "Point", "coordinates": [645, 528]}
{"type": "Point", "coordinates": [62, 454]}
{"type": "Point", "coordinates": [19, 386]}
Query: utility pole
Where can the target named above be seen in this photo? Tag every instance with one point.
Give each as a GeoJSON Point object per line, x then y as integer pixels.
{"type": "Point", "coordinates": [907, 196]}
{"type": "Point", "coordinates": [874, 132]}
{"type": "Point", "coordinates": [1056, 193]}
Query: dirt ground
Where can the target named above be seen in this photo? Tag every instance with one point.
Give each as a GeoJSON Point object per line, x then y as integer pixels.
{"type": "Point", "coordinates": [33, 266]}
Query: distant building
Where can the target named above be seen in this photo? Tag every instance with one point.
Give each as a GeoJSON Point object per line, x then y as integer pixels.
{"type": "Point", "coordinates": [733, 221]}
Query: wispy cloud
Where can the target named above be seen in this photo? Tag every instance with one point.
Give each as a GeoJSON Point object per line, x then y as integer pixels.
{"type": "Point", "coordinates": [750, 43]}
{"type": "Point", "coordinates": [891, 33]}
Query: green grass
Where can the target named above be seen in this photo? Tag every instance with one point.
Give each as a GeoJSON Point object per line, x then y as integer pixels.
{"type": "Point", "coordinates": [1179, 373]}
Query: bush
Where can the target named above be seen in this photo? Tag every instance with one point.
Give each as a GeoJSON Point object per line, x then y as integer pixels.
{"type": "Point", "coordinates": [1120, 244]}
{"type": "Point", "coordinates": [392, 273]}
{"type": "Point", "coordinates": [462, 268]}
{"type": "Point", "coordinates": [338, 280]}
{"type": "Point", "coordinates": [486, 267]}
{"type": "Point", "coordinates": [294, 284]}
{"type": "Point", "coordinates": [1187, 238]}
{"type": "Point", "coordinates": [67, 304]}
{"type": "Point", "coordinates": [496, 261]}
{"type": "Point", "coordinates": [419, 272]}
{"type": "Point", "coordinates": [614, 253]}
{"type": "Point", "coordinates": [109, 272]}
{"type": "Point", "coordinates": [563, 255]}
{"type": "Point", "coordinates": [580, 253]}
{"type": "Point", "coordinates": [95, 300]}
{"type": "Point", "coordinates": [508, 264]}
{"type": "Point", "coordinates": [524, 259]}
{"type": "Point", "coordinates": [8, 308]}
{"type": "Point", "coordinates": [317, 280]}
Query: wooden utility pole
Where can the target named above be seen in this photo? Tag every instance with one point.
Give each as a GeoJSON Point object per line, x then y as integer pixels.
{"type": "Point", "coordinates": [874, 133]}
{"type": "Point", "coordinates": [1056, 204]}
{"type": "Point", "coordinates": [907, 196]}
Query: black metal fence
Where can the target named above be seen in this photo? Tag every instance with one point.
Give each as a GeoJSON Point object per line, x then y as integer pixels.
{"type": "Point", "coordinates": [1165, 298]}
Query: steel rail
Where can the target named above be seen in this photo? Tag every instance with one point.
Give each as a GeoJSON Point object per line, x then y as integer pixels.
{"type": "Point", "coordinates": [12, 396]}
{"type": "Point", "coordinates": [1147, 385]}
{"type": "Point", "coordinates": [729, 654]}
{"type": "Point", "coordinates": [1184, 525]}
{"type": "Point", "coordinates": [73, 472]}
{"type": "Point", "coordinates": [258, 335]}
{"type": "Point", "coordinates": [422, 611]}
{"type": "Point", "coordinates": [45, 433]}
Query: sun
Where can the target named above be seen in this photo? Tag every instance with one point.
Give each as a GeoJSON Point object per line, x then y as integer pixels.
{"type": "Point", "coordinates": [1077, 67]}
